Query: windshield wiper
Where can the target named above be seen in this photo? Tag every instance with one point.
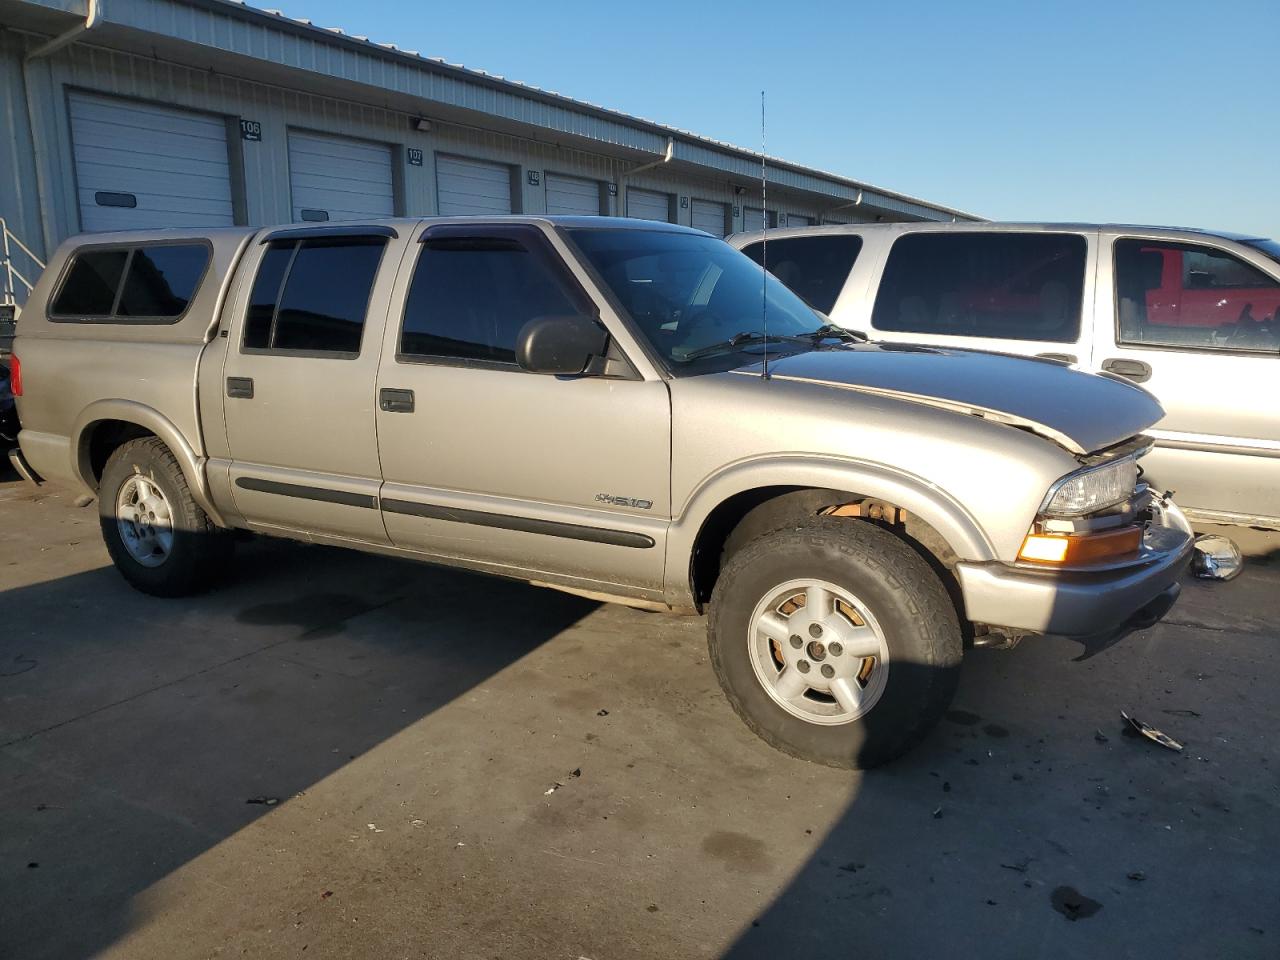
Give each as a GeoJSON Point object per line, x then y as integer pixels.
{"type": "Point", "coordinates": [830, 331]}
{"type": "Point", "coordinates": [746, 338]}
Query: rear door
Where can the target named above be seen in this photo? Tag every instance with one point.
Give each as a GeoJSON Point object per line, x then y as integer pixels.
{"type": "Point", "coordinates": [535, 474]}
{"type": "Point", "coordinates": [299, 378]}
{"type": "Point", "coordinates": [1198, 325]}
{"type": "Point", "coordinates": [1005, 291]}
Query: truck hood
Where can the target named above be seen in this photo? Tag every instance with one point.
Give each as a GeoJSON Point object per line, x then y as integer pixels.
{"type": "Point", "coordinates": [1082, 412]}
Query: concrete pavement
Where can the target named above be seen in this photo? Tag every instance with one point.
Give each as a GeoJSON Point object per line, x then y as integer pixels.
{"type": "Point", "coordinates": [336, 755]}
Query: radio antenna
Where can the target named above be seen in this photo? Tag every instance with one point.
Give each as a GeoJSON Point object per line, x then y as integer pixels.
{"type": "Point", "coordinates": [764, 245]}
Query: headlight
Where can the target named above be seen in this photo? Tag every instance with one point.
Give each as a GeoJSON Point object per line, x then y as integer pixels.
{"type": "Point", "coordinates": [1088, 491]}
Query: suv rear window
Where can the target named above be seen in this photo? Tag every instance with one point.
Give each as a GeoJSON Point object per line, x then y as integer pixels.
{"type": "Point", "coordinates": [151, 283]}
{"type": "Point", "coordinates": [1005, 286]}
{"type": "Point", "coordinates": [814, 267]}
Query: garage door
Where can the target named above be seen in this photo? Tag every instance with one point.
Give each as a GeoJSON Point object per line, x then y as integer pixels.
{"type": "Point", "coordinates": [709, 216]}
{"type": "Point", "coordinates": [648, 205]}
{"type": "Point", "coordinates": [139, 165]}
{"type": "Point", "coordinates": [752, 219]}
{"type": "Point", "coordinates": [572, 196]}
{"type": "Point", "coordinates": [472, 187]}
{"type": "Point", "coordinates": [799, 220]}
{"type": "Point", "coordinates": [336, 178]}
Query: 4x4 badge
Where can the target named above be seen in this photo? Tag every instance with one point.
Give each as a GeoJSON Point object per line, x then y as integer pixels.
{"type": "Point", "coordinates": [624, 501]}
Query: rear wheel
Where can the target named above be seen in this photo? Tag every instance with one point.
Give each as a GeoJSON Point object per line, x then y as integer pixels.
{"type": "Point", "coordinates": [835, 642]}
{"type": "Point", "coordinates": [159, 538]}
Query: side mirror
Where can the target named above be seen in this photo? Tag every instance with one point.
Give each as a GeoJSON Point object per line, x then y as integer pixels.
{"type": "Point", "coordinates": [564, 346]}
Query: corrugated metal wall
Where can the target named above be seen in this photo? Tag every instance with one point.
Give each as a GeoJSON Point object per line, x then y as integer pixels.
{"type": "Point", "coordinates": [262, 166]}
{"type": "Point", "coordinates": [19, 196]}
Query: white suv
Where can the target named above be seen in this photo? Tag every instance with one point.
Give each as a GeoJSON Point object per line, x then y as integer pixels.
{"type": "Point", "coordinates": [1191, 315]}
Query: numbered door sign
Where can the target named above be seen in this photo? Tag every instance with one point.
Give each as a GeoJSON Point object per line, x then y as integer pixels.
{"type": "Point", "coordinates": [415, 157]}
{"type": "Point", "coordinates": [250, 130]}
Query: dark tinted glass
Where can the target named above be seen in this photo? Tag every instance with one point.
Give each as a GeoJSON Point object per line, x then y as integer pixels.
{"type": "Point", "coordinates": [1189, 295]}
{"type": "Point", "coordinates": [324, 298]}
{"type": "Point", "coordinates": [162, 280]}
{"type": "Point", "coordinates": [1025, 286]}
{"type": "Point", "coordinates": [471, 297]}
{"type": "Point", "coordinates": [327, 295]}
{"type": "Point", "coordinates": [814, 267]}
{"type": "Point", "coordinates": [266, 291]}
{"type": "Point", "coordinates": [90, 287]}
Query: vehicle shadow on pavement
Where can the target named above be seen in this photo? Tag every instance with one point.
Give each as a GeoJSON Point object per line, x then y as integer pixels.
{"type": "Point", "coordinates": [1034, 823]}
{"type": "Point", "coordinates": [137, 733]}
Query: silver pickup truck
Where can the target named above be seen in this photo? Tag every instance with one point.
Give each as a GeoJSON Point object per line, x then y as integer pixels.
{"type": "Point", "coordinates": [625, 410]}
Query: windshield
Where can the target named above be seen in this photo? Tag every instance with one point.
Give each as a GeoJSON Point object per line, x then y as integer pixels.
{"type": "Point", "coordinates": [1269, 247]}
{"type": "Point", "coordinates": [688, 293]}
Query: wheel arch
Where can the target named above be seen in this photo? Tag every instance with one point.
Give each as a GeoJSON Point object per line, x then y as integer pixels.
{"type": "Point", "coordinates": [725, 500]}
{"type": "Point", "coordinates": [106, 424]}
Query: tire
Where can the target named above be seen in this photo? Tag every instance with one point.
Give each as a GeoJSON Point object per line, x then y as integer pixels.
{"type": "Point", "coordinates": [197, 551]}
{"type": "Point", "coordinates": [874, 592]}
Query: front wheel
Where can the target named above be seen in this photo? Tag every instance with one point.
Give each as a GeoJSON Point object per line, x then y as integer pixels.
{"type": "Point", "coordinates": [835, 642]}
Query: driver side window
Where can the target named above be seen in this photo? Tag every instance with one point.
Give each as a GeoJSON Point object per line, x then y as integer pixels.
{"type": "Point", "coordinates": [472, 295]}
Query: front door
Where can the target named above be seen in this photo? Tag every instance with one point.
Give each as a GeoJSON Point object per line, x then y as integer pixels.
{"type": "Point", "coordinates": [1200, 328]}
{"type": "Point", "coordinates": [531, 475]}
{"type": "Point", "coordinates": [299, 383]}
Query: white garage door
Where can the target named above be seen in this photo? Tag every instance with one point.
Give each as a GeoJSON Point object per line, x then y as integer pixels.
{"type": "Point", "coordinates": [799, 220]}
{"type": "Point", "coordinates": [139, 165]}
{"type": "Point", "coordinates": [709, 216]}
{"type": "Point", "coordinates": [648, 205]}
{"type": "Point", "coordinates": [336, 178]}
{"type": "Point", "coordinates": [752, 219]}
{"type": "Point", "coordinates": [572, 196]}
{"type": "Point", "coordinates": [472, 187]}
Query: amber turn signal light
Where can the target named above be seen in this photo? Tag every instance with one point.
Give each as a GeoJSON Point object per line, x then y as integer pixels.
{"type": "Point", "coordinates": [1065, 551]}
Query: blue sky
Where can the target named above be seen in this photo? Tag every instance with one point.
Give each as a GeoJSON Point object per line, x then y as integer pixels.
{"type": "Point", "coordinates": [1158, 112]}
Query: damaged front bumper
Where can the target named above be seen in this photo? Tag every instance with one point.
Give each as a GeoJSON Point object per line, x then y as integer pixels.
{"type": "Point", "coordinates": [1078, 603]}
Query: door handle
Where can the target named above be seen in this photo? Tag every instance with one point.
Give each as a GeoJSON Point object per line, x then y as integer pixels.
{"type": "Point", "coordinates": [241, 388]}
{"type": "Point", "coordinates": [1063, 357]}
{"type": "Point", "coordinates": [395, 401]}
{"type": "Point", "coordinates": [1135, 370]}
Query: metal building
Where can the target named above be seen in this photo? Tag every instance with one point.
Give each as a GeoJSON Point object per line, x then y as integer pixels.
{"type": "Point", "coordinates": [141, 113]}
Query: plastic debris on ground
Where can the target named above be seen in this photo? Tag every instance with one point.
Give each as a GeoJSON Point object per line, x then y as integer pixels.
{"type": "Point", "coordinates": [573, 775]}
{"type": "Point", "coordinates": [1151, 733]}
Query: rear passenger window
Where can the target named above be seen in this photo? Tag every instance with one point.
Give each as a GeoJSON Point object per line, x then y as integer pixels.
{"type": "Point", "coordinates": [311, 296]}
{"type": "Point", "coordinates": [152, 283]}
{"type": "Point", "coordinates": [471, 296]}
{"type": "Point", "coordinates": [813, 267]}
{"type": "Point", "coordinates": [1004, 286]}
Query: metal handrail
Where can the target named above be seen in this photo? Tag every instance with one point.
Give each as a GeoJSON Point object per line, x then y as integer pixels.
{"type": "Point", "coordinates": [12, 273]}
